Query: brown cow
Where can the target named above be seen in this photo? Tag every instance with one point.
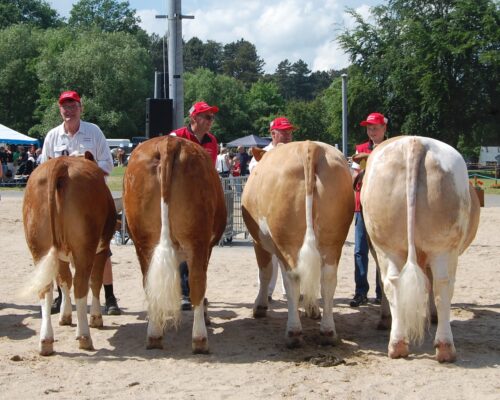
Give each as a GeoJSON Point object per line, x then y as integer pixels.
{"type": "Point", "coordinates": [298, 204]}
{"type": "Point", "coordinates": [421, 214]}
{"type": "Point", "coordinates": [69, 216]}
{"type": "Point", "coordinates": [175, 210]}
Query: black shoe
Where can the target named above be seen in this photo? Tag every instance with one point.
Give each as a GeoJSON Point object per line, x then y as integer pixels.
{"type": "Point", "coordinates": [111, 307]}
{"type": "Point", "coordinates": [56, 305]}
{"type": "Point", "coordinates": [377, 301]}
{"type": "Point", "coordinates": [358, 300]}
{"type": "Point", "coordinates": [186, 304]}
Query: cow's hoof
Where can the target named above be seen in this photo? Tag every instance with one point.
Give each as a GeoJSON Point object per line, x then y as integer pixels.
{"type": "Point", "coordinates": [46, 347]}
{"type": "Point", "coordinates": [85, 343]}
{"type": "Point", "coordinates": [96, 321]}
{"type": "Point", "coordinates": [65, 320]}
{"type": "Point", "coordinates": [260, 312]}
{"type": "Point", "coordinates": [200, 345]}
{"type": "Point", "coordinates": [154, 343]}
{"type": "Point", "coordinates": [328, 338]}
{"type": "Point", "coordinates": [398, 349]}
{"type": "Point", "coordinates": [445, 352]}
{"type": "Point", "coordinates": [384, 323]}
{"type": "Point", "coordinates": [313, 312]}
{"type": "Point", "coordinates": [294, 339]}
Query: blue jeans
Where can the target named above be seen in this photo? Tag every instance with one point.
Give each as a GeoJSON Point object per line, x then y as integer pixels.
{"type": "Point", "coordinates": [361, 258]}
{"type": "Point", "coordinates": [183, 267]}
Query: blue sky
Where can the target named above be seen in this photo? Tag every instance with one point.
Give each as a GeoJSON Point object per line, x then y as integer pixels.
{"type": "Point", "coordinates": [280, 29]}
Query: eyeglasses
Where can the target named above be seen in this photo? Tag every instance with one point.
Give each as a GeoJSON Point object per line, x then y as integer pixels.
{"type": "Point", "coordinates": [69, 107]}
{"type": "Point", "coordinates": [208, 117]}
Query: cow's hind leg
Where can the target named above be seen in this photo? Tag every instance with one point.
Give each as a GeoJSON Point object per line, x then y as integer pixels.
{"type": "Point", "coordinates": [264, 261]}
{"type": "Point", "coordinates": [327, 330]}
{"type": "Point", "coordinates": [398, 343]}
{"type": "Point", "coordinates": [65, 282]}
{"type": "Point", "coordinates": [46, 331]}
{"type": "Point", "coordinates": [96, 284]}
{"type": "Point", "coordinates": [197, 265]}
{"type": "Point", "coordinates": [443, 271]}
{"type": "Point", "coordinates": [293, 336]}
{"type": "Point", "coordinates": [83, 267]}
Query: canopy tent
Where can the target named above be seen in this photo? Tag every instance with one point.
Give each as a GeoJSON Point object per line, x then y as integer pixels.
{"type": "Point", "coordinates": [10, 136]}
{"type": "Point", "coordinates": [249, 141]}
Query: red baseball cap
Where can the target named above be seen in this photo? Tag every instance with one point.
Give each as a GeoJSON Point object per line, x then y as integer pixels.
{"type": "Point", "coordinates": [374, 119]}
{"type": "Point", "coordinates": [281, 124]}
{"type": "Point", "coordinates": [69, 95]}
{"type": "Point", "coordinates": [202, 107]}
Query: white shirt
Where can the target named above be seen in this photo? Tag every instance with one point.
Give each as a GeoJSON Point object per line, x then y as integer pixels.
{"type": "Point", "coordinates": [221, 163]}
{"type": "Point", "coordinates": [88, 138]}
{"type": "Point", "coordinates": [254, 162]}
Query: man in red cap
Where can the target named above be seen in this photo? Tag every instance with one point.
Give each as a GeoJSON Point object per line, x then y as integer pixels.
{"type": "Point", "coordinates": [281, 132]}
{"type": "Point", "coordinates": [376, 127]}
{"type": "Point", "coordinates": [74, 137]}
{"type": "Point", "coordinates": [201, 117]}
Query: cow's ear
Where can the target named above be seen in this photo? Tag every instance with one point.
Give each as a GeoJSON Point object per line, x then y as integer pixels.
{"type": "Point", "coordinates": [89, 156]}
{"type": "Point", "coordinates": [257, 153]}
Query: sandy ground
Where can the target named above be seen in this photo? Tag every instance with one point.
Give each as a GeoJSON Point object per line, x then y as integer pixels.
{"type": "Point", "coordinates": [248, 358]}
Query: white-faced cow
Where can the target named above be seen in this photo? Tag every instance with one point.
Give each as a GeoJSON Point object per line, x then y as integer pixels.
{"type": "Point", "coordinates": [69, 216]}
{"type": "Point", "coordinates": [298, 204]}
{"type": "Point", "coordinates": [421, 214]}
{"type": "Point", "coordinates": [175, 210]}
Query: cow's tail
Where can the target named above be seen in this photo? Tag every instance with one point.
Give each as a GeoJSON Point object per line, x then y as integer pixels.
{"type": "Point", "coordinates": [309, 260]}
{"type": "Point", "coordinates": [162, 287]}
{"type": "Point", "coordinates": [48, 267]}
{"type": "Point", "coordinates": [413, 285]}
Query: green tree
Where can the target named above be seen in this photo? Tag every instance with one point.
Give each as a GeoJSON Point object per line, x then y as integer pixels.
{"type": "Point", "coordinates": [264, 101]}
{"type": "Point", "coordinates": [111, 72]}
{"type": "Point", "coordinates": [107, 15]}
{"type": "Point", "coordinates": [34, 12]}
{"type": "Point", "coordinates": [19, 48]}
{"type": "Point", "coordinates": [203, 55]}
{"type": "Point", "coordinates": [431, 66]}
{"type": "Point", "coordinates": [242, 62]}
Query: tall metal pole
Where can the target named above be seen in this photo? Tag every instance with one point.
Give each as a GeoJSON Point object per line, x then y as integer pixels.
{"type": "Point", "coordinates": [175, 62]}
{"type": "Point", "coordinates": [344, 114]}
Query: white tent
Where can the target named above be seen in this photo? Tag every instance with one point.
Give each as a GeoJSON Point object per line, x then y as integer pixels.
{"type": "Point", "coordinates": [10, 136]}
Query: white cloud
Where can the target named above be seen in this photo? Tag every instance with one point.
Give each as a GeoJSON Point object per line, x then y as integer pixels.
{"type": "Point", "coordinates": [279, 29]}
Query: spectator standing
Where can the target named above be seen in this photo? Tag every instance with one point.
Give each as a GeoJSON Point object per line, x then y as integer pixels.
{"type": "Point", "coordinates": [376, 127]}
{"type": "Point", "coordinates": [201, 117]}
{"type": "Point", "coordinates": [74, 137]}
{"type": "Point", "coordinates": [281, 133]}
{"type": "Point", "coordinates": [244, 160]}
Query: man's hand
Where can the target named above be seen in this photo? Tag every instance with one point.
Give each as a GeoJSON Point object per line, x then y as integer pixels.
{"type": "Point", "coordinates": [357, 158]}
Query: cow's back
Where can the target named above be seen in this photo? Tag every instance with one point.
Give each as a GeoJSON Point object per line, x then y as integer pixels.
{"type": "Point", "coordinates": [446, 210]}
{"type": "Point", "coordinates": [275, 194]}
{"type": "Point", "coordinates": [84, 205]}
{"type": "Point", "coordinates": [195, 195]}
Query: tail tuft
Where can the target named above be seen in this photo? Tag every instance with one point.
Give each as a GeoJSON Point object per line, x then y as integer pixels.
{"type": "Point", "coordinates": [163, 292]}
{"type": "Point", "coordinates": [413, 301]}
{"type": "Point", "coordinates": [45, 273]}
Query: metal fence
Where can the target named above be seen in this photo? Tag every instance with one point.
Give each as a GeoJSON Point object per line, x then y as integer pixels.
{"type": "Point", "coordinates": [233, 189]}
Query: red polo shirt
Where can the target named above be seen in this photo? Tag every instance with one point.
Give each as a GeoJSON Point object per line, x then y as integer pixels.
{"type": "Point", "coordinates": [208, 142]}
{"type": "Point", "coordinates": [366, 147]}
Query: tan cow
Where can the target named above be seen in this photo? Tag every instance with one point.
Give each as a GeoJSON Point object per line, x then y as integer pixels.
{"type": "Point", "coordinates": [421, 214]}
{"type": "Point", "coordinates": [175, 211]}
{"type": "Point", "coordinates": [298, 204]}
{"type": "Point", "coordinates": [69, 216]}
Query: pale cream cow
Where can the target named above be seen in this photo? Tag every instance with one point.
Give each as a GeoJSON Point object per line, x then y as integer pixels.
{"type": "Point", "coordinates": [421, 214]}
{"type": "Point", "coordinates": [298, 204]}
